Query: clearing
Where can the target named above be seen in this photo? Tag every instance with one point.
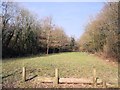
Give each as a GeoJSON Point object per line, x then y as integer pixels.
{"type": "Point", "coordinates": [71, 64]}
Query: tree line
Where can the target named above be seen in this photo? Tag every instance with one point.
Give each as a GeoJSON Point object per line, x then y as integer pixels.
{"type": "Point", "coordinates": [102, 34]}
{"type": "Point", "coordinates": [24, 33]}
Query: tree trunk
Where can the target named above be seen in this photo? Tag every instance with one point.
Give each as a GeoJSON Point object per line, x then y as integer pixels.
{"type": "Point", "coordinates": [47, 49]}
{"type": "Point", "coordinates": [48, 36]}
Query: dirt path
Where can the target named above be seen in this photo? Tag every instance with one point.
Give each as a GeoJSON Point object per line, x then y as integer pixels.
{"type": "Point", "coordinates": [43, 82]}
{"type": "Point", "coordinates": [36, 83]}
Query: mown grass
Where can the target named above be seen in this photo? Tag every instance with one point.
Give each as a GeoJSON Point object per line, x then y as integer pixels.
{"type": "Point", "coordinates": [73, 64]}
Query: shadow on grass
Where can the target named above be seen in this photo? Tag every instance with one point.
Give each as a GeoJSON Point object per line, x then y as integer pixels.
{"type": "Point", "coordinates": [31, 78]}
{"type": "Point", "coordinates": [31, 56]}
{"type": "Point", "coordinates": [7, 76]}
{"type": "Point", "coordinates": [13, 73]}
{"type": "Point", "coordinates": [23, 57]}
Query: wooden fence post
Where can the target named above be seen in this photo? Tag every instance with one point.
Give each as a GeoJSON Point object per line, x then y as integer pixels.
{"type": "Point", "coordinates": [94, 78]}
{"type": "Point", "coordinates": [56, 79]}
{"type": "Point", "coordinates": [104, 84]}
{"type": "Point", "coordinates": [24, 74]}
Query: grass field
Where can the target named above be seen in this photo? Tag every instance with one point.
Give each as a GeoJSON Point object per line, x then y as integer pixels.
{"type": "Point", "coordinates": [73, 64]}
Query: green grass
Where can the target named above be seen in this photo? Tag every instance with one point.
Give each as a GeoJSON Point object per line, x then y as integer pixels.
{"type": "Point", "coordinates": [74, 64]}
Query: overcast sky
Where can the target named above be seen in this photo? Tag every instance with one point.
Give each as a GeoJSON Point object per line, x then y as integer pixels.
{"type": "Point", "coordinates": [72, 16]}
